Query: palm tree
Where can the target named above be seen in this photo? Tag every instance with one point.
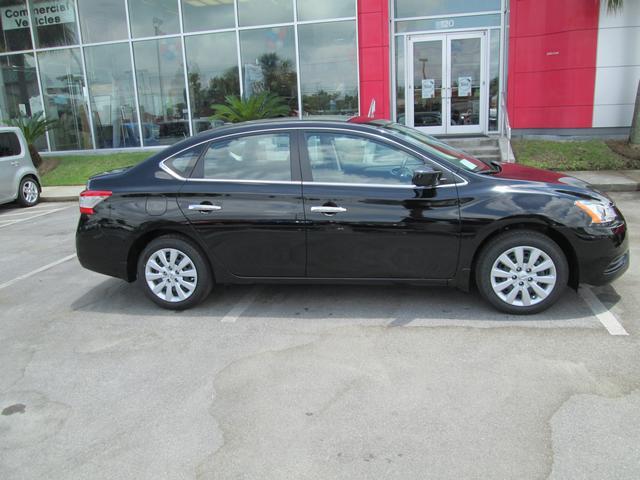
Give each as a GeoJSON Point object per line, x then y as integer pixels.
{"type": "Point", "coordinates": [634, 134]}
{"type": "Point", "coordinates": [256, 107]}
{"type": "Point", "coordinates": [614, 5]}
{"type": "Point", "coordinates": [33, 128]}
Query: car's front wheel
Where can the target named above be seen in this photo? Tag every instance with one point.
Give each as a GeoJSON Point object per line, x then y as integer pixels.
{"type": "Point", "coordinates": [28, 192]}
{"type": "Point", "coordinates": [174, 273]}
{"type": "Point", "coordinates": [522, 272]}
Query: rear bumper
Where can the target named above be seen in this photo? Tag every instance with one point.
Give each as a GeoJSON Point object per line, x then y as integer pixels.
{"type": "Point", "coordinates": [100, 252]}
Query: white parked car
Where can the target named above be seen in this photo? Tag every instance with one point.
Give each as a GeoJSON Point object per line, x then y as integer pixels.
{"type": "Point", "coordinates": [19, 179]}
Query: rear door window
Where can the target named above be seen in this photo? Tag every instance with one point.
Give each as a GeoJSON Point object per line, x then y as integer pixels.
{"type": "Point", "coordinates": [9, 144]}
{"type": "Point", "coordinates": [264, 157]}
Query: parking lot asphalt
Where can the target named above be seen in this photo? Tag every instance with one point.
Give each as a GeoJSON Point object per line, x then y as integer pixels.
{"type": "Point", "coordinates": [306, 382]}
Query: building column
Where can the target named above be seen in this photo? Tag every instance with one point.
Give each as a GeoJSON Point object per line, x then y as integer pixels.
{"type": "Point", "coordinates": [374, 60]}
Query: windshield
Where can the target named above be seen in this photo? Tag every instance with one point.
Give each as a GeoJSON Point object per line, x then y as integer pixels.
{"type": "Point", "coordinates": [435, 147]}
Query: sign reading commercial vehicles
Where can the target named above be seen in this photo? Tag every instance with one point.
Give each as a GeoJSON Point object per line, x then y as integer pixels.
{"type": "Point", "coordinates": [45, 13]}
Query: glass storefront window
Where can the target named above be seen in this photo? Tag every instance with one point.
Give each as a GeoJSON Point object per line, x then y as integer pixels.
{"type": "Point", "coordinates": [113, 106]}
{"type": "Point", "coordinates": [153, 18]}
{"type": "Point", "coordinates": [328, 68]}
{"type": "Point", "coordinates": [102, 20]}
{"type": "Point", "coordinates": [64, 101]}
{"type": "Point", "coordinates": [161, 91]}
{"type": "Point", "coordinates": [19, 92]}
{"type": "Point", "coordinates": [198, 15]}
{"type": "Point", "coordinates": [211, 77]}
{"type": "Point", "coordinates": [320, 10]}
{"type": "Point", "coordinates": [448, 23]}
{"type": "Point", "coordinates": [264, 12]}
{"type": "Point", "coordinates": [15, 26]}
{"type": "Point", "coordinates": [268, 63]}
{"type": "Point", "coordinates": [427, 8]}
{"type": "Point", "coordinates": [88, 80]}
{"type": "Point", "coordinates": [494, 80]}
{"type": "Point", "coordinates": [400, 83]}
{"type": "Point", "coordinates": [55, 23]}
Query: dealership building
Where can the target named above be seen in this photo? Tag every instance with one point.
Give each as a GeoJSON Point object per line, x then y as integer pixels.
{"type": "Point", "coordinates": [121, 74]}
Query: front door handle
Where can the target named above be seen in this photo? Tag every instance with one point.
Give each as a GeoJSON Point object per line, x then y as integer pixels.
{"type": "Point", "coordinates": [205, 207]}
{"type": "Point", "coordinates": [328, 210]}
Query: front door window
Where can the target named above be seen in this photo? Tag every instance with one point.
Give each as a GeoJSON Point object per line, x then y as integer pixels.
{"type": "Point", "coordinates": [339, 158]}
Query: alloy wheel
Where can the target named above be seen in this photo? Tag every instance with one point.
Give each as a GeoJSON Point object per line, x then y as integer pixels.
{"type": "Point", "coordinates": [30, 191]}
{"type": "Point", "coordinates": [171, 275]}
{"type": "Point", "coordinates": [523, 276]}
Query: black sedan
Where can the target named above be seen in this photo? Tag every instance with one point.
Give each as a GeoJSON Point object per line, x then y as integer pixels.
{"type": "Point", "coordinates": [318, 201]}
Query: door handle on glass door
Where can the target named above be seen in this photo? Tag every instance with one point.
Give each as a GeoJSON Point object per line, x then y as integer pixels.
{"type": "Point", "coordinates": [205, 207]}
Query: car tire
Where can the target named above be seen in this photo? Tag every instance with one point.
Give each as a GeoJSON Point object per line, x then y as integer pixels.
{"type": "Point", "coordinates": [28, 192]}
{"type": "Point", "coordinates": [173, 272]}
{"type": "Point", "coordinates": [522, 272]}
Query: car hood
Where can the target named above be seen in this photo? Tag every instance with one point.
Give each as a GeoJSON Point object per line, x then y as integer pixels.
{"type": "Point", "coordinates": [557, 181]}
{"type": "Point", "coordinates": [514, 171]}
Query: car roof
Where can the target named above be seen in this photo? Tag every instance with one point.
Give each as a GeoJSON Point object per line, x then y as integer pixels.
{"type": "Point", "coordinates": [275, 123]}
{"type": "Point", "coordinates": [272, 124]}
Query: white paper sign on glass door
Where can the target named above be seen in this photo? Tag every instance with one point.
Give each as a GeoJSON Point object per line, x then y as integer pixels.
{"type": "Point", "coordinates": [464, 86]}
{"type": "Point", "coordinates": [428, 88]}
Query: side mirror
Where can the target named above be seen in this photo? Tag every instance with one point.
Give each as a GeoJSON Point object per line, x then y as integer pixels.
{"type": "Point", "coordinates": [426, 177]}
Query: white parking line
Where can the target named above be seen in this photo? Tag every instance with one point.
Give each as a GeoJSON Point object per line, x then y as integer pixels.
{"type": "Point", "coordinates": [35, 272]}
{"type": "Point", "coordinates": [26, 211]}
{"type": "Point", "coordinates": [240, 307]}
{"type": "Point", "coordinates": [48, 212]}
{"type": "Point", "coordinates": [606, 317]}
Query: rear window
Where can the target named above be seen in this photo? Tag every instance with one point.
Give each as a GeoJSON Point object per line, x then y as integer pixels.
{"type": "Point", "coordinates": [183, 162]}
{"type": "Point", "coordinates": [9, 144]}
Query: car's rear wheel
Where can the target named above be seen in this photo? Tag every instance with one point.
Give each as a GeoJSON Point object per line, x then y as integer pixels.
{"type": "Point", "coordinates": [174, 273]}
{"type": "Point", "coordinates": [522, 272]}
{"type": "Point", "coordinates": [28, 192]}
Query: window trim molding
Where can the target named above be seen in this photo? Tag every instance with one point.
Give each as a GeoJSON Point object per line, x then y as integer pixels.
{"type": "Point", "coordinates": [459, 180]}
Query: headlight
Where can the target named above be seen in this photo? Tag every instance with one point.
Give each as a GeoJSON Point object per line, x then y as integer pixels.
{"type": "Point", "coordinates": [598, 212]}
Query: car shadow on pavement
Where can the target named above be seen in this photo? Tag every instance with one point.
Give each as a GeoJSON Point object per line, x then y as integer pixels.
{"type": "Point", "coordinates": [389, 305]}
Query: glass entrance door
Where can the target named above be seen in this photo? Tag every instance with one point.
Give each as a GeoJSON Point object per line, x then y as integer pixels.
{"type": "Point", "coordinates": [446, 86]}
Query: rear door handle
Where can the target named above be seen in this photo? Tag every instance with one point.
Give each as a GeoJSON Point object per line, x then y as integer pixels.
{"type": "Point", "coordinates": [204, 208]}
{"type": "Point", "coordinates": [328, 210]}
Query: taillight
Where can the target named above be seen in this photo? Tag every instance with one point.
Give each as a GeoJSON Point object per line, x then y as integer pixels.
{"type": "Point", "coordinates": [90, 198]}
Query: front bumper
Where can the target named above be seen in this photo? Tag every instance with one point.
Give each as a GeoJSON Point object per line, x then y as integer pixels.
{"type": "Point", "coordinates": [602, 253]}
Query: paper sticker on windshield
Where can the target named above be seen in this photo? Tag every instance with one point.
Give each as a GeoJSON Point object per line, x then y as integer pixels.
{"type": "Point", "coordinates": [468, 164]}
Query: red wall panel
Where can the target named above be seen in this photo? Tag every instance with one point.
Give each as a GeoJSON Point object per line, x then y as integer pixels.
{"type": "Point", "coordinates": [556, 51]}
{"type": "Point", "coordinates": [539, 17]}
{"type": "Point", "coordinates": [552, 63]}
{"type": "Point", "coordinates": [373, 52]}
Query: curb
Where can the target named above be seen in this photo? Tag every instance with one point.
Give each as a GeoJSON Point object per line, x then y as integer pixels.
{"type": "Point", "coordinates": [60, 199]}
{"type": "Point", "coordinates": [613, 187]}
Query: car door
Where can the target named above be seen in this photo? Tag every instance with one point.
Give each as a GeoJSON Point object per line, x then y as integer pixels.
{"type": "Point", "coordinates": [365, 217]}
{"type": "Point", "coordinates": [244, 199]}
{"type": "Point", "coordinates": [10, 157]}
